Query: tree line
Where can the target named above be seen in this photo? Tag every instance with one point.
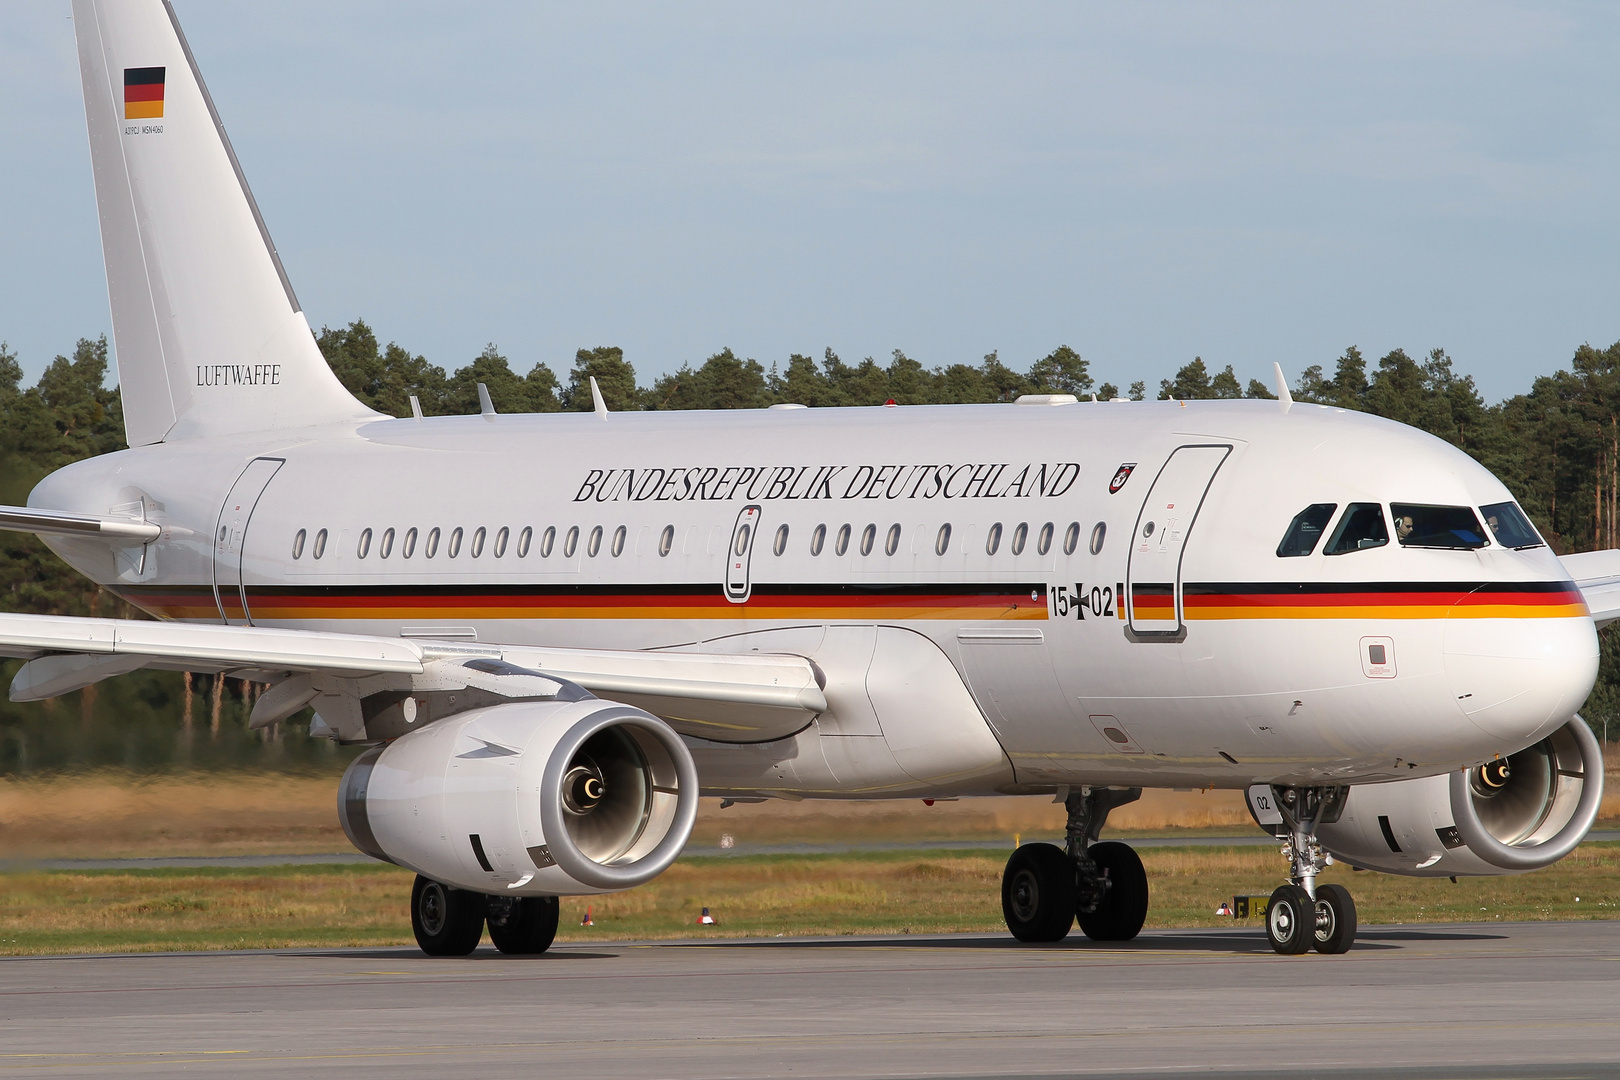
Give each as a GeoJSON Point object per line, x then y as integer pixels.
{"type": "Point", "coordinates": [1556, 446]}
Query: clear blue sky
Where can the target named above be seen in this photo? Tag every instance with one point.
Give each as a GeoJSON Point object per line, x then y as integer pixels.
{"type": "Point", "coordinates": [1143, 182]}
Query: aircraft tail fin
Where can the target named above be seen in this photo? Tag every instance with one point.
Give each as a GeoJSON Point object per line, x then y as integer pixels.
{"type": "Point", "coordinates": [210, 338]}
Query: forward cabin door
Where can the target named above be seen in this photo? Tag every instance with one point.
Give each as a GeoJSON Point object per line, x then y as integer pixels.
{"type": "Point", "coordinates": [1153, 572]}
{"type": "Point", "coordinates": [230, 534]}
{"type": "Point", "coordinates": [739, 583]}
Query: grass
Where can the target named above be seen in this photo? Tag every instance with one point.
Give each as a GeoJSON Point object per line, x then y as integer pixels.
{"type": "Point", "coordinates": [48, 912]}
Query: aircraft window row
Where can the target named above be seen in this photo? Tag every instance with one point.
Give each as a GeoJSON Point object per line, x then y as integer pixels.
{"type": "Point", "coordinates": [407, 542]}
{"type": "Point", "coordinates": [1417, 525]}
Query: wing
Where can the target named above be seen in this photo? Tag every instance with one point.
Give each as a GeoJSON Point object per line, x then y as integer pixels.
{"type": "Point", "coordinates": [1597, 575]}
{"type": "Point", "coordinates": [739, 697]}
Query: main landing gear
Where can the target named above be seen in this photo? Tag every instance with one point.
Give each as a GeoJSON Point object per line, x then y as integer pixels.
{"type": "Point", "coordinates": [450, 922]}
{"type": "Point", "coordinates": [1045, 888]}
{"type": "Point", "coordinates": [1303, 914]}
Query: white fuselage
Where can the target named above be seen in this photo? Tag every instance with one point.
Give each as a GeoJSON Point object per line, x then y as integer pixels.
{"type": "Point", "coordinates": [623, 532]}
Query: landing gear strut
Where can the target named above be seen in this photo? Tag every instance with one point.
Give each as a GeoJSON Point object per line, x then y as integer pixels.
{"type": "Point", "coordinates": [1302, 914]}
{"type": "Point", "coordinates": [1045, 888]}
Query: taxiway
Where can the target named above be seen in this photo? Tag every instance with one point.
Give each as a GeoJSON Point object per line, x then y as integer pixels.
{"type": "Point", "coordinates": [1476, 1000]}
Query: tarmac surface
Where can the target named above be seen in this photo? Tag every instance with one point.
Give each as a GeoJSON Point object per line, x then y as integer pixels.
{"type": "Point", "coordinates": [1445, 1001]}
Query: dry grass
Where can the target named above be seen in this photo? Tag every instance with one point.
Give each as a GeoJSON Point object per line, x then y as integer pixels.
{"type": "Point", "coordinates": [115, 814]}
{"type": "Point", "coordinates": [764, 896]}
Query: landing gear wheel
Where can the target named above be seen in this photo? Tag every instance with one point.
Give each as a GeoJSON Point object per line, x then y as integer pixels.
{"type": "Point", "coordinates": [446, 921]}
{"type": "Point", "coordinates": [1038, 893]}
{"type": "Point", "coordinates": [522, 926]}
{"type": "Point", "coordinates": [1123, 909]}
{"type": "Point", "coordinates": [1335, 919]}
{"type": "Point", "coordinates": [1289, 920]}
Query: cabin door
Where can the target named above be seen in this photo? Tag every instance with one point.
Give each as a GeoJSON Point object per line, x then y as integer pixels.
{"type": "Point", "coordinates": [1153, 571]}
{"type": "Point", "coordinates": [230, 535]}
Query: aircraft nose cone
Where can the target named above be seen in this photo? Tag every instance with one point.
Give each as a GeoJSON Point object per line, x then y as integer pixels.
{"type": "Point", "coordinates": [1519, 678]}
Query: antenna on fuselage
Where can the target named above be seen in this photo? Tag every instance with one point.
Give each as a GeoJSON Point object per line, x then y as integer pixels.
{"type": "Point", "coordinates": [416, 407]}
{"type": "Point", "coordinates": [486, 407]}
{"type": "Point", "coordinates": [596, 399]}
{"type": "Point", "coordinates": [1284, 398]}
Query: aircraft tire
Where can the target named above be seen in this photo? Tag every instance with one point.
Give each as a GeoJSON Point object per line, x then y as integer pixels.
{"type": "Point", "coordinates": [1335, 920]}
{"type": "Point", "coordinates": [446, 921]}
{"type": "Point", "coordinates": [1124, 906]}
{"type": "Point", "coordinates": [1038, 893]}
{"type": "Point", "coordinates": [1290, 919]}
{"type": "Point", "coordinates": [526, 926]}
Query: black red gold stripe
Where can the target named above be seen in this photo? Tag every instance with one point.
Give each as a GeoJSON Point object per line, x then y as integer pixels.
{"type": "Point", "coordinates": [287, 603]}
{"type": "Point", "coordinates": [1207, 601]}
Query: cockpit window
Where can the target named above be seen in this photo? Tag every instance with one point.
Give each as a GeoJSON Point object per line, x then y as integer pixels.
{"type": "Point", "coordinates": [1509, 527]}
{"type": "Point", "coordinates": [1437, 526]}
{"type": "Point", "coordinates": [1361, 527]}
{"type": "Point", "coordinates": [1306, 530]}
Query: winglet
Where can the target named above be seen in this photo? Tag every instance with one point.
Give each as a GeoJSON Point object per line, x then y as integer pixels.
{"type": "Point", "coordinates": [1284, 398]}
{"type": "Point", "coordinates": [596, 398]}
{"type": "Point", "coordinates": [486, 407]}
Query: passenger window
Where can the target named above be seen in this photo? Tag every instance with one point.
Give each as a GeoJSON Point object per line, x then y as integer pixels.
{"type": "Point", "coordinates": [1043, 543]}
{"type": "Point", "coordinates": [320, 543]}
{"type": "Point", "coordinates": [298, 543]}
{"type": "Point", "coordinates": [595, 543]}
{"type": "Point", "coordinates": [818, 539]}
{"type": "Point", "coordinates": [781, 539]}
{"type": "Point", "coordinates": [868, 538]}
{"type": "Point", "coordinates": [992, 539]}
{"type": "Point", "coordinates": [525, 538]}
{"type": "Point", "coordinates": [842, 543]}
{"type": "Point", "coordinates": [1020, 534]}
{"type": "Point", "coordinates": [1099, 533]}
{"type": "Point", "coordinates": [431, 548]}
{"type": "Point", "coordinates": [454, 547]}
{"type": "Point", "coordinates": [571, 542]}
{"type": "Point", "coordinates": [619, 535]}
{"type": "Point", "coordinates": [363, 548]}
{"type": "Point", "coordinates": [500, 541]}
{"type": "Point", "coordinates": [1071, 538]}
{"type": "Point", "coordinates": [1509, 527]}
{"type": "Point", "coordinates": [477, 547]}
{"type": "Point", "coordinates": [892, 544]}
{"type": "Point", "coordinates": [386, 548]}
{"type": "Point", "coordinates": [666, 541]}
{"type": "Point", "coordinates": [409, 547]}
{"type": "Point", "coordinates": [1305, 531]}
{"type": "Point", "coordinates": [1453, 527]}
{"type": "Point", "coordinates": [942, 542]}
{"type": "Point", "coordinates": [1361, 527]}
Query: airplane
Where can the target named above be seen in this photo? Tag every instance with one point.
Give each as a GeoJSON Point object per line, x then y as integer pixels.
{"type": "Point", "coordinates": [553, 633]}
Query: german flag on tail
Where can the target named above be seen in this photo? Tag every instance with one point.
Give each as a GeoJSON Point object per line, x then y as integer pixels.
{"type": "Point", "coordinates": [143, 93]}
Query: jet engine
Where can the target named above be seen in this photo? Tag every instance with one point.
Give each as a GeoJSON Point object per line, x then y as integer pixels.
{"type": "Point", "coordinates": [532, 798]}
{"type": "Point", "coordinates": [1507, 816]}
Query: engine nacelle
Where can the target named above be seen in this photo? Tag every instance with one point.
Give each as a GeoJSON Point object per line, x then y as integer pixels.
{"type": "Point", "coordinates": [532, 798]}
{"type": "Point", "coordinates": [1507, 816]}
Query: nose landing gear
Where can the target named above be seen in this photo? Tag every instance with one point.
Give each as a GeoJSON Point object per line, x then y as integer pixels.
{"type": "Point", "coordinates": [1301, 914]}
{"type": "Point", "coordinates": [1045, 888]}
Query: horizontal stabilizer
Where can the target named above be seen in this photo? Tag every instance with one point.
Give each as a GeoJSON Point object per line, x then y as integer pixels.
{"type": "Point", "coordinates": [56, 523]}
{"type": "Point", "coordinates": [1597, 575]}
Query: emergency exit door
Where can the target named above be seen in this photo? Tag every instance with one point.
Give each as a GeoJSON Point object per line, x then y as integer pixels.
{"type": "Point", "coordinates": [1153, 570]}
{"type": "Point", "coordinates": [739, 555]}
{"type": "Point", "coordinates": [230, 535]}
